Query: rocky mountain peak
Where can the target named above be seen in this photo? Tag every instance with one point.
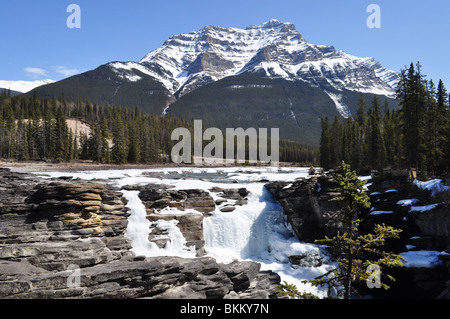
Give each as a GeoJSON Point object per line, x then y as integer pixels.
{"type": "Point", "coordinates": [275, 48]}
{"type": "Point", "coordinates": [238, 62]}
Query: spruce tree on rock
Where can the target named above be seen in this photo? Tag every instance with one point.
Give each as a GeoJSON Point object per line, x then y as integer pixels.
{"type": "Point", "coordinates": [352, 248]}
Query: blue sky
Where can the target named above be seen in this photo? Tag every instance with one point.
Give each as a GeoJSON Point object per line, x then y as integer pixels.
{"type": "Point", "coordinates": [37, 43]}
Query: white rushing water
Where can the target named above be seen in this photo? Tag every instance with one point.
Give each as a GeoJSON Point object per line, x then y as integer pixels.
{"type": "Point", "coordinates": [138, 230]}
{"type": "Point", "coordinates": [243, 233]}
{"type": "Point", "coordinates": [259, 232]}
{"type": "Point", "coordinates": [256, 231]}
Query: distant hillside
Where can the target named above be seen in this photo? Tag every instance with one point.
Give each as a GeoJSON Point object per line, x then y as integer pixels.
{"type": "Point", "coordinates": [23, 86]}
{"type": "Point", "coordinates": [12, 93]}
{"type": "Point", "coordinates": [266, 75]}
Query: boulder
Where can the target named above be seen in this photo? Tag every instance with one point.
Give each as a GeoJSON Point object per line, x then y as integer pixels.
{"type": "Point", "coordinates": [241, 273]}
{"type": "Point", "coordinates": [227, 209]}
{"type": "Point", "coordinates": [434, 223]}
{"type": "Point", "coordinates": [156, 197]}
{"type": "Point", "coordinates": [230, 197]}
{"type": "Point", "coordinates": [306, 260]}
{"type": "Point", "coordinates": [312, 206]}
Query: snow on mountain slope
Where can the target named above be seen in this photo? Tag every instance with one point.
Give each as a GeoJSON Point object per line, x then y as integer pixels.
{"type": "Point", "coordinates": [276, 47]}
{"type": "Point", "coordinates": [23, 86]}
{"type": "Point", "coordinates": [186, 62]}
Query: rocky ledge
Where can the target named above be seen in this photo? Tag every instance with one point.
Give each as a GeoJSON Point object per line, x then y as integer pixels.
{"type": "Point", "coordinates": [139, 277]}
{"type": "Point", "coordinates": [66, 239]}
{"type": "Point", "coordinates": [312, 208]}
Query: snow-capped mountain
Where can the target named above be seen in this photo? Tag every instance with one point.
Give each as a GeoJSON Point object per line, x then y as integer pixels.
{"type": "Point", "coordinates": [23, 86]}
{"type": "Point", "coordinates": [266, 75]}
{"type": "Point", "coordinates": [187, 61]}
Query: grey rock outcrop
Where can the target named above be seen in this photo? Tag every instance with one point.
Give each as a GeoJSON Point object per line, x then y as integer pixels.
{"type": "Point", "coordinates": [311, 206]}
{"type": "Point", "coordinates": [230, 198]}
{"type": "Point", "coordinates": [136, 277]}
{"type": "Point", "coordinates": [156, 197]}
{"type": "Point", "coordinates": [52, 225]}
{"type": "Point", "coordinates": [66, 239]}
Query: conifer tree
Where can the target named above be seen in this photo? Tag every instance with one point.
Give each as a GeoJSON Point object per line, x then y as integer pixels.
{"type": "Point", "coordinates": [84, 147]}
{"type": "Point", "coordinates": [325, 144]}
{"type": "Point", "coordinates": [389, 136]}
{"type": "Point", "coordinates": [346, 142]}
{"type": "Point", "coordinates": [105, 149]}
{"type": "Point", "coordinates": [34, 136]}
{"type": "Point", "coordinates": [433, 131]}
{"type": "Point", "coordinates": [412, 99]}
{"type": "Point", "coordinates": [22, 140]}
{"type": "Point", "coordinates": [47, 134]}
{"type": "Point", "coordinates": [357, 156]}
{"type": "Point", "coordinates": [376, 146]}
{"type": "Point", "coordinates": [443, 132]}
{"type": "Point", "coordinates": [352, 248]}
{"type": "Point", "coordinates": [335, 142]}
{"type": "Point", "coordinates": [61, 133]}
{"type": "Point", "coordinates": [95, 144]}
{"type": "Point", "coordinates": [2, 127]}
{"type": "Point", "coordinates": [361, 114]}
{"type": "Point", "coordinates": [69, 156]}
{"type": "Point", "coordinates": [447, 144]}
{"type": "Point", "coordinates": [133, 145]}
{"type": "Point", "coordinates": [10, 126]}
{"type": "Point", "coordinates": [119, 150]}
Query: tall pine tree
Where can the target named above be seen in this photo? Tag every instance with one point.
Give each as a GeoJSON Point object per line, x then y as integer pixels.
{"type": "Point", "coordinates": [376, 146]}
{"type": "Point", "coordinates": [325, 144]}
{"type": "Point", "coordinates": [412, 99]}
{"type": "Point", "coordinates": [119, 150]}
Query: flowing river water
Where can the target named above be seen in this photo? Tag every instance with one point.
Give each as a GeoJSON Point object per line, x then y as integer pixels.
{"type": "Point", "coordinates": [257, 231]}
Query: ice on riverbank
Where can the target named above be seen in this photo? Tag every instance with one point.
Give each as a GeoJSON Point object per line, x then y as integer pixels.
{"type": "Point", "coordinates": [422, 258]}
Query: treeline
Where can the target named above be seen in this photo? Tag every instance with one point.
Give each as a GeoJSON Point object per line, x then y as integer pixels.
{"type": "Point", "coordinates": [35, 128]}
{"type": "Point", "coordinates": [417, 135]}
{"type": "Point", "coordinates": [299, 153]}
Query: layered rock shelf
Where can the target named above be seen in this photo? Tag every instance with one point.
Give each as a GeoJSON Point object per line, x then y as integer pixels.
{"type": "Point", "coordinates": [63, 238]}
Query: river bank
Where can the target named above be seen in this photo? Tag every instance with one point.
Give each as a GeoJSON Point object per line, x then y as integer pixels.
{"type": "Point", "coordinates": [48, 166]}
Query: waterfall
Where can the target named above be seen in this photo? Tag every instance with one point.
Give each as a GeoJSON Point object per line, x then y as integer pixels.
{"type": "Point", "coordinates": [139, 228]}
{"type": "Point", "coordinates": [259, 232]}
{"type": "Point", "coordinates": [245, 232]}
{"type": "Point", "coordinates": [256, 231]}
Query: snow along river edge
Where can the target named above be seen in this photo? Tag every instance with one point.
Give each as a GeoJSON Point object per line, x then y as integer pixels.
{"type": "Point", "coordinates": [257, 231]}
